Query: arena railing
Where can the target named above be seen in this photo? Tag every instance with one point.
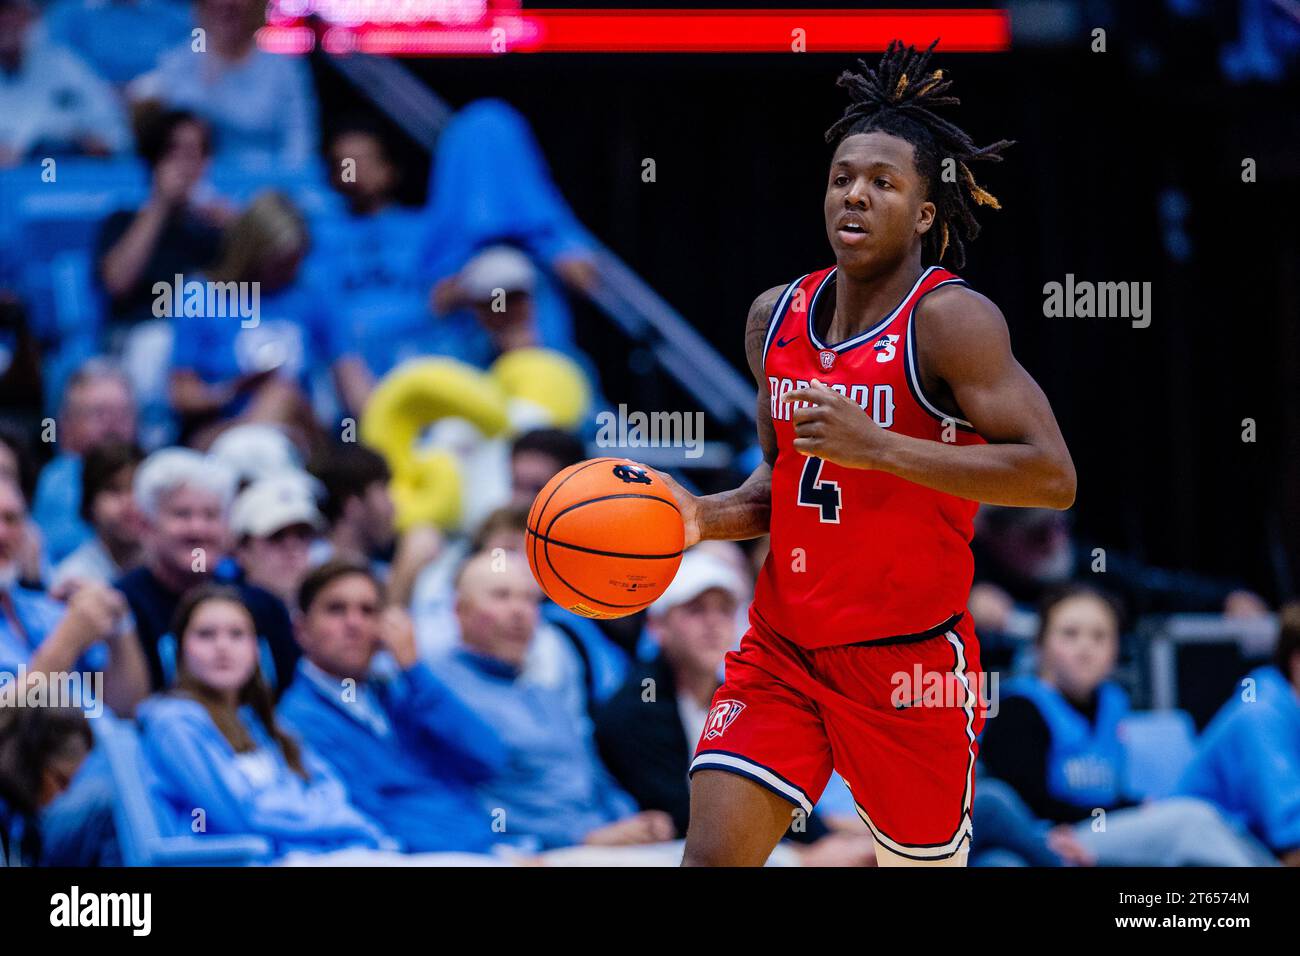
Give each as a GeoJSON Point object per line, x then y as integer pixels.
{"type": "Point", "coordinates": [678, 350]}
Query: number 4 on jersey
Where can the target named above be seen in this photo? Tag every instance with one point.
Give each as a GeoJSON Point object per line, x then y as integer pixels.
{"type": "Point", "coordinates": [816, 493]}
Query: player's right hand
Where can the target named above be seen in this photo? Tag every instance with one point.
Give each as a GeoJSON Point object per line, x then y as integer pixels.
{"type": "Point", "coordinates": [687, 504]}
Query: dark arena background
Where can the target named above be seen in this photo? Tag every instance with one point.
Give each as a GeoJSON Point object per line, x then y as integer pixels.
{"type": "Point", "coordinates": [311, 295]}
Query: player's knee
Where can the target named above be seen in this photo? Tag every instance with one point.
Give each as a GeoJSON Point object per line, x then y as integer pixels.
{"type": "Point", "coordinates": [701, 851]}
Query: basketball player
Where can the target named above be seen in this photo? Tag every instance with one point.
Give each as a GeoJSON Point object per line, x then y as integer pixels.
{"type": "Point", "coordinates": [889, 405]}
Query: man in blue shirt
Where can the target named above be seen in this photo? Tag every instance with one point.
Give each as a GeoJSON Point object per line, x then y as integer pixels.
{"type": "Point", "coordinates": [371, 261]}
{"type": "Point", "coordinates": [1248, 762]}
{"type": "Point", "coordinates": [408, 751]}
{"type": "Point", "coordinates": [553, 787]}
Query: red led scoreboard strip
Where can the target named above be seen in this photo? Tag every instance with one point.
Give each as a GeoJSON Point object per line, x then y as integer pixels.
{"type": "Point", "coordinates": [763, 31]}
{"type": "Point", "coordinates": [502, 29]}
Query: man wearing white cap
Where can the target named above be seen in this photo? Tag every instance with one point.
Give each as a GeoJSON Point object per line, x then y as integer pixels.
{"type": "Point", "coordinates": [274, 521]}
{"type": "Point", "coordinates": [498, 285]}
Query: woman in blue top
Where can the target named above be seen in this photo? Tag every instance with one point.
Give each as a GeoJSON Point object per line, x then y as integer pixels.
{"type": "Point", "coordinates": [1057, 741]}
{"type": "Point", "coordinates": [252, 339]}
{"type": "Point", "coordinates": [224, 764]}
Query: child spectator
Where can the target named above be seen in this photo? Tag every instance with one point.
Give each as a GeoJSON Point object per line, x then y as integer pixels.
{"type": "Point", "coordinates": [217, 749]}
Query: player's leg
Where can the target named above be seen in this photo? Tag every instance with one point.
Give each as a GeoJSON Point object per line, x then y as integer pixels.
{"type": "Point", "coordinates": [908, 752]}
{"type": "Point", "coordinates": [762, 760]}
{"type": "Point", "coordinates": [734, 821]}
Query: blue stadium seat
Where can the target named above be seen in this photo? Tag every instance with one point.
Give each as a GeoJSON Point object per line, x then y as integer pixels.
{"type": "Point", "coordinates": [148, 837]}
{"type": "Point", "coordinates": [1158, 746]}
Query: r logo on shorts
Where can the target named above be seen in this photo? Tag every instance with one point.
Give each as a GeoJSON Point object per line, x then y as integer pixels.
{"type": "Point", "coordinates": [720, 718]}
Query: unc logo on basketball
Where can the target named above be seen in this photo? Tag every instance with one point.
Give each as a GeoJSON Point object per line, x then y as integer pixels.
{"type": "Point", "coordinates": [721, 717]}
{"type": "Point", "coordinates": [630, 474]}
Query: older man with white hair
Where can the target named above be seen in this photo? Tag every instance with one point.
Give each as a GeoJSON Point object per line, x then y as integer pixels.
{"type": "Point", "coordinates": [185, 497]}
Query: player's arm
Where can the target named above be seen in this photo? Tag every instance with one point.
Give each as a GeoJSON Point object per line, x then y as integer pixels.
{"type": "Point", "coordinates": [742, 512]}
{"type": "Point", "coordinates": [965, 360]}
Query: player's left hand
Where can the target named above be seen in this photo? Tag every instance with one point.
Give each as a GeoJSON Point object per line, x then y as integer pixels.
{"type": "Point", "coordinates": [834, 428]}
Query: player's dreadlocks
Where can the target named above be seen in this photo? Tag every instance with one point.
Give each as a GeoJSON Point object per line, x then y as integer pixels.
{"type": "Point", "coordinates": [899, 97]}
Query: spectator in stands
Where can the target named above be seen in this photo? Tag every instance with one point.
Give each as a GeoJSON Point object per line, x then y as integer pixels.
{"type": "Point", "coordinates": [261, 105]}
{"type": "Point", "coordinates": [274, 521]}
{"type": "Point", "coordinates": [1005, 832]}
{"type": "Point", "coordinates": [553, 787]}
{"type": "Point", "coordinates": [51, 102]}
{"type": "Point", "coordinates": [1021, 553]}
{"type": "Point", "coordinates": [407, 749]}
{"type": "Point", "coordinates": [357, 506]}
{"type": "Point", "coordinates": [536, 457]}
{"type": "Point", "coordinates": [174, 232]}
{"type": "Point", "coordinates": [1056, 740]}
{"type": "Point", "coordinates": [256, 366]}
{"type": "Point", "coordinates": [370, 261]}
{"type": "Point", "coordinates": [17, 466]}
{"type": "Point", "coordinates": [108, 507]}
{"type": "Point", "coordinates": [97, 408]}
{"type": "Point", "coordinates": [41, 751]}
{"type": "Point", "coordinates": [647, 731]}
{"type": "Point", "coordinates": [496, 286]}
{"type": "Point", "coordinates": [91, 633]}
{"type": "Point", "coordinates": [215, 744]}
{"type": "Point", "coordinates": [120, 39]}
{"type": "Point", "coordinates": [185, 497]}
{"type": "Point", "coordinates": [568, 654]}
{"type": "Point", "coordinates": [1248, 759]}
{"type": "Point", "coordinates": [489, 184]}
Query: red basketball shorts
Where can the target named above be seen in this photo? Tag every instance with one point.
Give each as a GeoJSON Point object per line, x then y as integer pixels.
{"type": "Point", "coordinates": [899, 721]}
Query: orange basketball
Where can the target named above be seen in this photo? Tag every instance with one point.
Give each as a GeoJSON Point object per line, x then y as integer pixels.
{"type": "Point", "coordinates": [605, 537]}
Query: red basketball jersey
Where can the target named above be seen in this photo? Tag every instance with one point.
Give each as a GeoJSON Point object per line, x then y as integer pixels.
{"type": "Point", "coordinates": [859, 555]}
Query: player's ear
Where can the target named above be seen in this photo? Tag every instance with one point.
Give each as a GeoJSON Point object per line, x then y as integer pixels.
{"type": "Point", "coordinates": [925, 218]}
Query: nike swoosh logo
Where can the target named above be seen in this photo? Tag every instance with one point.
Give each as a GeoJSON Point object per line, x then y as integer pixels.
{"type": "Point", "coordinates": [782, 343]}
{"type": "Point", "coordinates": [912, 704]}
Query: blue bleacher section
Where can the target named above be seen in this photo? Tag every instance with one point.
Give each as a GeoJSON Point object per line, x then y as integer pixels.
{"type": "Point", "coordinates": [1158, 746]}
{"type": "Point", "coordinates": [53, 225]}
